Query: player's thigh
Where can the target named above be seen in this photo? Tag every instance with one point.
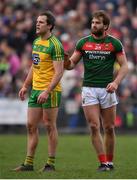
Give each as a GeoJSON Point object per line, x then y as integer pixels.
{"type": "Point", "coordinates": [50, 115]}
{"type": "Point", "coordinates": [89, 96]}
{"type": "Point", "coordinates": [108, 116]}
{"type": "Point", "coordinates": [92, 114]}
{"type": "Point", "coordinates": [34, 115]}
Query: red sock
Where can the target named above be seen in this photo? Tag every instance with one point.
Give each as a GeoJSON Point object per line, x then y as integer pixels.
{"type": "Point", "coordinates": [102, 158]}
{"type": "Point", "coordinates": [109, 157]}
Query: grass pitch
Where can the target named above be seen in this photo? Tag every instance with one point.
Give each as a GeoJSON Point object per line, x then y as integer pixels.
{"type": "Point", "coordinates": [75, 159]}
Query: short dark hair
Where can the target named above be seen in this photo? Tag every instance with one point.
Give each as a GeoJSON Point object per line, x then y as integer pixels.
{"type": "Point", "coordinates": [50, 18]}
{"type": "Point", "coordinates": [102, 14]}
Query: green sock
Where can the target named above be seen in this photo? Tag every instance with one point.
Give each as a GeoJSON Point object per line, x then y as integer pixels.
{"type": "Point", "coordinates": [28, 160]}
{"type": "Point", "coordinates": [51, 161]}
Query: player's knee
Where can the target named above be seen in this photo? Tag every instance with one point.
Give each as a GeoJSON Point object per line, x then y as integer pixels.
{"type": "Point", "coordinates": [94, 128]}
{"type": "Point", "coordinates": [31, 128]}
{"type": "Point", "coordinates": [49, 127]}
{"type": "Point", "coordinates": [109, 130]}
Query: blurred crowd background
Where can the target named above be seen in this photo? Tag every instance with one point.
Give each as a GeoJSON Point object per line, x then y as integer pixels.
{"type": "Point", "coordinates": [73, 17]}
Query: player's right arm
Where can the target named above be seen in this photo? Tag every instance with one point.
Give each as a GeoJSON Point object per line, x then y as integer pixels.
{"type": "Point", "coordinates": [26, 84]}
{"type": "Point", "coordinates": [70, 63]}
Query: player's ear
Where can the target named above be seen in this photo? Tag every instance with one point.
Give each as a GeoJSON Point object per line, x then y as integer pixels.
{"type": "Point", "coordinates": [49, 26]}
{"type": "Point", "coordinates": [106, 27]}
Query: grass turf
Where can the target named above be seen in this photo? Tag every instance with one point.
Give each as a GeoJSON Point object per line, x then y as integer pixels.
{"type": "Point", "coordinates": [75, 159]}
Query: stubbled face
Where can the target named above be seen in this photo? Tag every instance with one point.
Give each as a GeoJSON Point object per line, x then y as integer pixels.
{"type": "Point", "coordinates": [41, 25]}
{"type": "Point", "coordinates": [97, 27]}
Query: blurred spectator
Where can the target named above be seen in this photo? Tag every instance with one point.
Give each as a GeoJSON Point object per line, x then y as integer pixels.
{"type": "Point", "coordinates": [13, 62]}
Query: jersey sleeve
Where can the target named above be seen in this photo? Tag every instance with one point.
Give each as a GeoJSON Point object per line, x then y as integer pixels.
{"type": "Point", "coordinates": [119, 49]}
{"type": "Point", "coordinates": [57, 51]}
{"type": "Point", "coordinates": [79, 46]}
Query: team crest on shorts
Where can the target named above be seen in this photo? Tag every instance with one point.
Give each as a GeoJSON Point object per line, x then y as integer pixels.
{"type": "Point", "coordinates": [83, 100]}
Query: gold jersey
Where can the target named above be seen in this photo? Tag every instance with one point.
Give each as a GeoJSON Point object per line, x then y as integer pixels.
{"type": "Point", "coordinates": [44, 52]}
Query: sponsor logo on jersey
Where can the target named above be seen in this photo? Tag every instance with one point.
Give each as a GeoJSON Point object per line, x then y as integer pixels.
{"type": "Point", "coordinates": [90, 46]}
{"type": "Point", "coordinates": [98, 51]}
{"type": "Point", "coordinates": [35, 58]}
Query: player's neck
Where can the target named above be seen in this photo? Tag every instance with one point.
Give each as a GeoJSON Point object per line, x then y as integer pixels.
{"type": "Point", "coordinates": [46, 36]}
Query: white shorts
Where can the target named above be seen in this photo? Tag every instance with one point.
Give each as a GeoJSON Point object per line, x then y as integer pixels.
{"type": "Point", "coordinates": [92, 96]}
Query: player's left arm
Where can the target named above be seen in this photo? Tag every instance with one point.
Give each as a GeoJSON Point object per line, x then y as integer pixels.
{"type": "Point", "coordinates": [58, 73]}
{"type": "Point", "coordinates": [122, 61]}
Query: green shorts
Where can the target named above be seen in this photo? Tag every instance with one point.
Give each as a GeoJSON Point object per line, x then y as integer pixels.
{"type": "Point", "coordinates": [53, 100]}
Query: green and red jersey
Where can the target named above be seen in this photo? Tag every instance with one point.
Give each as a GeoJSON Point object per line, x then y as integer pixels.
{"type": "Point", "coordinates": [99, 56]}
